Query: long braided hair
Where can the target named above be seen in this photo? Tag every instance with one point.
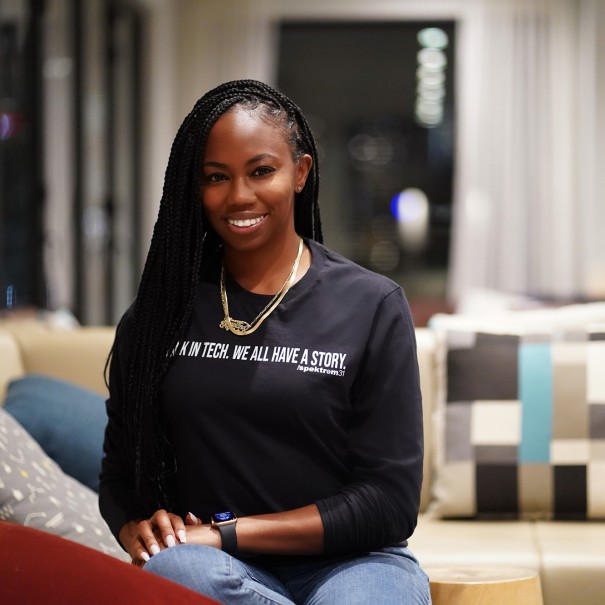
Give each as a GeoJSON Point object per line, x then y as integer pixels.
{"type": "Point", "coordinates": [182, 239]}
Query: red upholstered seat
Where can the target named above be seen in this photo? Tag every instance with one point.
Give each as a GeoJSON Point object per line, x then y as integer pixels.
{"type": "Point", "coordinates": [38, 567]}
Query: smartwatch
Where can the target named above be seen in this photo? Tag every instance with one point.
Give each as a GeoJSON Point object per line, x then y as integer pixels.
{"type": "Point", "coordinates": [225, 523]}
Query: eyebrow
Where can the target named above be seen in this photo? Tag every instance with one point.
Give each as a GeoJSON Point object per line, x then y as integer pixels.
{"type": "Point", "coordinates": [256, 158]}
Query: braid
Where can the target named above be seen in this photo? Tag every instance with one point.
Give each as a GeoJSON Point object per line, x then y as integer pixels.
{"type": "Point", "coordinates": [182, 242]}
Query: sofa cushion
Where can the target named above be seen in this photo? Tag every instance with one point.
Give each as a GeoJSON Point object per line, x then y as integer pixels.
{"type": "Point", "coordinates": [439, 542]}
{"type": "Point", "coordinates": [520, 417]}
{"type": "Point", "coordinates": [573, 560]}
{"type": "Point", "coordinates": [11, 366]}
{"type": "Point", "coordinates": [77, 355]}
{"type": "Point", "coordinates": [35, 492]}
{"type": "Point", "coordinates": [56, 413]}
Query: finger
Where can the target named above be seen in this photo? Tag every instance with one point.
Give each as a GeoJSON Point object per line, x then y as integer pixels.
{"type": "Point", "coordinates": [142, 558]}
{"type": "Point", "coordinates": [148, 538]}
{"type": "Point", "coordinates": [140, 562]}
{"type": "Point", "coordinates": [179, 528]}
{"type": "Point", "coordinates": [191, 519]}
{"type": "Point", "coordinates": [163, 523]}
{"type": "Point", "coordinates": [137, 552]}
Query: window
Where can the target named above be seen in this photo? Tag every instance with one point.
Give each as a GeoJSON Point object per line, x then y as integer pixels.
{"type": "Point", "coordinates": [379, 97]}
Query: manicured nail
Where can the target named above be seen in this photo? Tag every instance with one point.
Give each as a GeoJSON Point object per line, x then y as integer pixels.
{"type": "Point", "coordinates": [145, 556]}
{"type": "Point", "coordinates": [182, 536]}
{"type": "Point", "coordinates": [193, 517]}
{"type": "Point", "coordinates": [170, 541]}
{"type": "Point", "coordinates": [155, 549]}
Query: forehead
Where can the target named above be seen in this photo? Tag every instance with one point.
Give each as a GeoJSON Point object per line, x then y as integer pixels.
{"type": "Point", "coordinates": [240, 123]}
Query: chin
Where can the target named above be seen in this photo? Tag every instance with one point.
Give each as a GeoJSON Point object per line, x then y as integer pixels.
{"type": "Point", "coordinates": [244, 243]}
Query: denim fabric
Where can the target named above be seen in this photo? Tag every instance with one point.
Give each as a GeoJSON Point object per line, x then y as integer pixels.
{"type": "Point", "coordinates": [385, 577]}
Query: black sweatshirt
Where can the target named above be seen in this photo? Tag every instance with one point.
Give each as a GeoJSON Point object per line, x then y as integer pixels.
{"type": "Point", "coordinates": [320, 405]}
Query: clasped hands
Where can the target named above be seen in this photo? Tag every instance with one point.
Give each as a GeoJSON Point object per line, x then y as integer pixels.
{"type": "Point", "coordinates": [145, 538]}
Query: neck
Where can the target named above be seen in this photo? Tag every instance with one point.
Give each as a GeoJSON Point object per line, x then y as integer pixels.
{"type": "Point", "coordinates": [264, 271]}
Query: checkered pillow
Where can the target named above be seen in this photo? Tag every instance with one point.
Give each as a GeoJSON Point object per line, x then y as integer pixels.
{"type": "Point", "coordinates": [520, 423]}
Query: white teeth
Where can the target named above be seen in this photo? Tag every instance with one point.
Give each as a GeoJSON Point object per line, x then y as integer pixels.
{"type": "Point", "coordinates": [245, 223]}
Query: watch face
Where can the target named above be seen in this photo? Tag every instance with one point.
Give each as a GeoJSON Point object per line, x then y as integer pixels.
{"type": "Point", "coordinates": [223, 517]}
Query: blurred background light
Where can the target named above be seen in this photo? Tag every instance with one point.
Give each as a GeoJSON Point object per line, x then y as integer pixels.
{"type": "Point", "coordinates": [432, 58]}
{"type": "Point", "coordinates": [10, 296]}
{"type": "Point", "coordinates": [433, 37]}
{"type": "Point", "coordinates": [430, 90]}
{"type": "Point", "coordinates": [411, 211]}
{"type": "Point", "coordinates": [10, 125]}
{"type": "Point", "coordinates": [384, 256]}
{"type": "Point", "coordinates": [373, 149]}
{"type": "Point", "coordinates": [431, 81]}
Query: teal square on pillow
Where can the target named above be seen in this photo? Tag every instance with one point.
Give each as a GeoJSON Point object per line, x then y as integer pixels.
{"type": "Point", "coordinates": [68, 422]}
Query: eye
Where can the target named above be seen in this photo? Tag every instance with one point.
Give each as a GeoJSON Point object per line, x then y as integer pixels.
{"type": "Point", "coordinates": [214, 177]}
{"type": "Point", "coordinates": [263, 170]}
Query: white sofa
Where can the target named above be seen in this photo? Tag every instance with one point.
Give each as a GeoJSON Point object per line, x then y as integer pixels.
{"type": "Point", "coordinates": [569, 555]}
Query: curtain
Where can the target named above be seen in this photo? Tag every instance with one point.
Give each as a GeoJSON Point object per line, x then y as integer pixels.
{"type": "Point", "coordinates": [529, 213]}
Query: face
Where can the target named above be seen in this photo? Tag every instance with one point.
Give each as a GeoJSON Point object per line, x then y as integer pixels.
{"type": "Point", "coordinates": [249, 181]}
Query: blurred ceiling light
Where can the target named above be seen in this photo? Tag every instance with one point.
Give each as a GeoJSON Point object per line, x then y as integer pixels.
{"type": "Point", "coordinates": [435, 79]}
{"type": "Point", "coordinates": [433, 37]}
{"type": "Point", "coordinates": [432, 58]}
{"type": "Point", "coordinates": [429, 120]}
{"type": "Point", "coordinates": [429, 108]}
{"type": "Point", "coordinates": [430, 89]}
{"type": "Point", "coordinates": [429, 94]}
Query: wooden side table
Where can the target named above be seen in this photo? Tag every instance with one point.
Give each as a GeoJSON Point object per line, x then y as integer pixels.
{"type": "Point", "coordinates": [484, 586]}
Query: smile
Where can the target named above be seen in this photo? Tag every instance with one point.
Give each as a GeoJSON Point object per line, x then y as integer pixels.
{"type": "Point", "coordinates": [249, 222]}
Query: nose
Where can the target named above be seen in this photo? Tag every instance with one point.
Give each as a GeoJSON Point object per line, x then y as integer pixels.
{"type": "Point", "coordinates": [241, 193]}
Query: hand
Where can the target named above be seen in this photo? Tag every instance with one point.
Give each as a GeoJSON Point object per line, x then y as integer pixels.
{"type": "Point", "coordinates": [143, 539]}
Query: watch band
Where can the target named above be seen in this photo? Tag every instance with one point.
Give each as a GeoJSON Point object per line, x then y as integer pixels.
{"type": "Point", "coordinates": [228, 537]}
{"type": "Point", "coordinates": [225, 523]}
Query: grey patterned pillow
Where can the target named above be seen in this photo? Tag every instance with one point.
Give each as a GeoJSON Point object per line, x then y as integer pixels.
{"type": "Point", "coordinates": [520, 420]}
{"type": "Point", "coordinates": [35, 492]}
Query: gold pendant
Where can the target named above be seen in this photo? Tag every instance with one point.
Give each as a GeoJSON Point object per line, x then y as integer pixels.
{"type": "Point", "coordinates": [242, 326]}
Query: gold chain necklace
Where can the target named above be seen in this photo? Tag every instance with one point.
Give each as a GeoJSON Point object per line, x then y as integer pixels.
{"type": "Point", "coordinates": [243, 328]}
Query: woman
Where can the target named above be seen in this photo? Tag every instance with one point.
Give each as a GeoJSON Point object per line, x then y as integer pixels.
{"type": "Point", "coordinates": [264, 442]}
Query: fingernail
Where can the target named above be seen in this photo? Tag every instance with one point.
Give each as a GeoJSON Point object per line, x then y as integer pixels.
{"type": "Point", "coordinates": [170, 541]}
{"type": "Point", "coordinates": [193, 517]}
{"type": "Point", "coordinates": [182, 536]}
{"type": "Point", "coordinates": [155, 549]}
{"type": "Point", "coordinates": [145, 556]}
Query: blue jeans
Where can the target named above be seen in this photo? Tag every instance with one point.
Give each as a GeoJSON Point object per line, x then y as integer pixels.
{"type": "Point", "coordinates": [390, 576]}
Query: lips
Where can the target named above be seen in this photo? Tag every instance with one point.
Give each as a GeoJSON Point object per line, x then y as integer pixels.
{"type": "Point", "coordinates": [247, 222]}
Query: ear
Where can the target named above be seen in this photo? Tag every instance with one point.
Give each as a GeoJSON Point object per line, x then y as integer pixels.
{"type": "Point", "coordinates": [303, 167]}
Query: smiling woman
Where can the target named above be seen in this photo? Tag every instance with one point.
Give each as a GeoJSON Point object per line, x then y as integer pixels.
{"type": "Point", "coordinates": [241, 455]}
{"type": "Point", "coordinates": [251, 173]}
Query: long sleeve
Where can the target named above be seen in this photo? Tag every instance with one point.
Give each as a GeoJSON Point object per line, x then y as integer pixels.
{"type": "Point", "coordinates": [386, 440]}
